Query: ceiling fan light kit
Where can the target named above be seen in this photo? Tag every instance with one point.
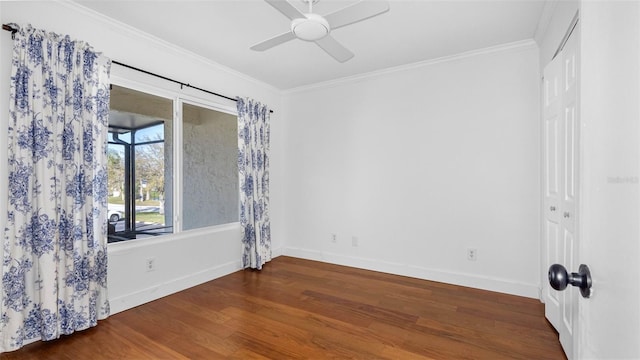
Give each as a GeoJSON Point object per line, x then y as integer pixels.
{"type": "Point", "coordinates": [312, 27]}
{"type": "Point", "coordinates": [317, 28]}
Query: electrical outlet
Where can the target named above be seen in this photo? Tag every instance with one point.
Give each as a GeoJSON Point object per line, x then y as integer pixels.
{"type": "Point", "coordinates": [334, 238]}
{"type": "Point", "coordinates": [472, 254]}
{"type": "Point", "coordinates": [151, 264]}
{"type": "Point", "coordinates": [354, 241]}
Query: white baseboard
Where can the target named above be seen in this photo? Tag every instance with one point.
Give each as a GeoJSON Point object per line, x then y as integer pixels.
{"type": "Point", "coordinates": [143, 296]}
{"type": "Point", "coordinates": [277, 252]}
{"type": "Point", "coordinates": [172, 286]}
{"type": "Point", "coordinates": [462, 279]}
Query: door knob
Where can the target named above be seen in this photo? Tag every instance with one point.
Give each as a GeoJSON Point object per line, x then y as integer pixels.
{"type": "Point", "coordinates": [559, 278]}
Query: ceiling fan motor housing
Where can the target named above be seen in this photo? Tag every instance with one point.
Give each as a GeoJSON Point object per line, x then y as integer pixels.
{"type": "Point", "coordinates": [310, 28]}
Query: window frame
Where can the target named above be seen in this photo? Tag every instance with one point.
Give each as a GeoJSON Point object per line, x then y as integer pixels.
{"type": "Point", "coordinates": [178, 96]}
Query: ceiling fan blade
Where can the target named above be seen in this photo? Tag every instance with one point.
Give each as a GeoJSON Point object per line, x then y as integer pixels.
{"type": "Point", "coordinates": [285, 8]}
{"type": "Point", "coordinates": [356, 12]}
{"type": "Point", "coordinates": [334, 48]}
{"type": "Point", "coordinates": [276, 40]}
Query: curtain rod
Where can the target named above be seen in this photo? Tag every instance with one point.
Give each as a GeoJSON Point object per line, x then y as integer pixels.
{"type": "Point", "coordinates": [14, 31]}
{"type": "Point", "coordinates": [176, 81]}
{"type": "Point", "coordinates": [10, 28]}
{"type": "Point", "coordinates": [172, 80]}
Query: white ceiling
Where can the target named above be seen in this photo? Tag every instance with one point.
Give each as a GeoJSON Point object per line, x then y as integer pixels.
{"type": "Point", "coordinates": [411, 31]}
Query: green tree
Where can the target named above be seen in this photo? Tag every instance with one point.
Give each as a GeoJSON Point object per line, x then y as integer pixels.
{"type": "Point", "coordinates": [115, 171]}
{"type": "Point", "coordinates": [150, 168]}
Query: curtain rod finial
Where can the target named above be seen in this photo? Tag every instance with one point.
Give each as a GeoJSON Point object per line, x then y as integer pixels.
{"type": "Point", "coordinates": [10, 27]}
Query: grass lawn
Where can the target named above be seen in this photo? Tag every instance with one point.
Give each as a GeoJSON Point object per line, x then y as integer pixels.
{"type": "Point", "coordinates": [150, 217]}
{"type": "Point", "coordinates": [118, 200]}
{"type": "Point", "coordinates": [115, 200]}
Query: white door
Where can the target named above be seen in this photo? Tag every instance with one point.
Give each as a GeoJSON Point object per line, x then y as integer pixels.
{"type": "Point", "coordinates": [602, 180]}
{"type": "Point", "coordinates": [610, 186]}
{"type": "Point", "coordinates": [569, 190]}
{"type": "Point", "coordinates": [561, 149]}
{"type": "Point", "coordinates": [552, 161]}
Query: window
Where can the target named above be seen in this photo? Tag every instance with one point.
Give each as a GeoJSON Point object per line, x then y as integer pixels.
{"type": "Point", "coordinates": [140, 199]}
{"type": "Point", "coordinates": [141, 169]}
{"type": "Point", "coordinates": [210, 167]}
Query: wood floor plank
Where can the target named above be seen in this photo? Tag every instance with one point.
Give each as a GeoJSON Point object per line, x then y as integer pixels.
{"type": "Point", "coordinates": [301, 309]}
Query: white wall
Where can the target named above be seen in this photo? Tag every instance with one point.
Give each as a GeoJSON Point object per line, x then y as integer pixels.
{"type": "Point", "coordinates": [182, 259]}
{"type": "Point", "coordinates": [420, 164]}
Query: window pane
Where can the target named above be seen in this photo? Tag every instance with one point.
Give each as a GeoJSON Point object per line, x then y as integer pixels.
{"type": "Point", "coordinates": [140, 158]}
{"type": "Point", "coordinates": [210, 169]}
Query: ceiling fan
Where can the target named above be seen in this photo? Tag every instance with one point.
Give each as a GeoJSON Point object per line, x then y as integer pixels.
{"type": "Point", "coordinates": [317, 28]}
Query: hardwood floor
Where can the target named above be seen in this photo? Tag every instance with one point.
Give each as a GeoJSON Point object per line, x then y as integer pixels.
{"type": "Point", "coordinates": [300, 309]}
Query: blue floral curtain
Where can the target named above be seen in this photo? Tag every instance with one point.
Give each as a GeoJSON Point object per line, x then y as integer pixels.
{"type": "Point", "coordinates": [253, 174]}
{"type": "Point", "coordinates": [54, 269]}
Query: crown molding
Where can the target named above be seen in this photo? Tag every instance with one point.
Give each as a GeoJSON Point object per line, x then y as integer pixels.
{"type": "Point", "coordinates": [131, 31]}
{"type": "Point", "coordinates": [545, 20]}
{"type": "Point", "coordinates": [513, 46]}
